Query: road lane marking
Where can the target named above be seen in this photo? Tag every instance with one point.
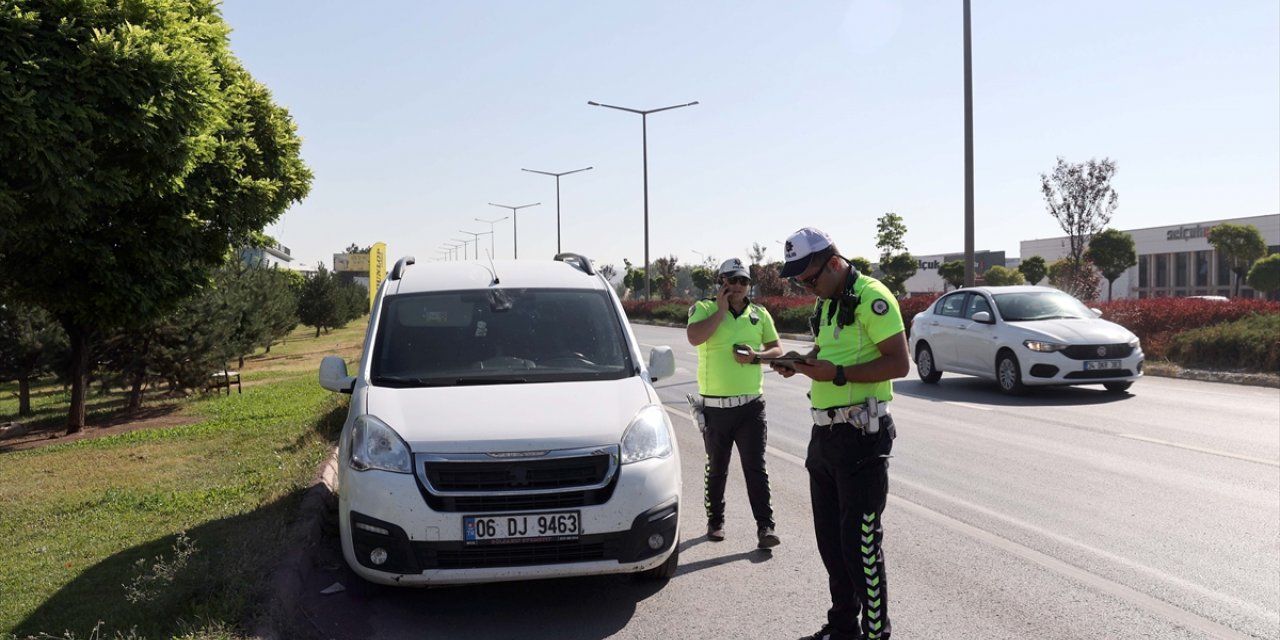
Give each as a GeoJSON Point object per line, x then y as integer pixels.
{"type": "Point", "coordinates": [1272, 463]}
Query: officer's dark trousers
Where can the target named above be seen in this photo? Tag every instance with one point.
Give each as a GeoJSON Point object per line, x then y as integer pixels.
{"type": "Point", "coordinates": [848, 484]}
{"type": "Point", "coordinates": [744, 426]}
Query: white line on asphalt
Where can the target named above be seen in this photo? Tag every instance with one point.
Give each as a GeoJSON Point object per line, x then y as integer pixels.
{"type": "Point", "coordinates": [1273, 463]}
{"type": "Point", "coordinates": [968, 405]}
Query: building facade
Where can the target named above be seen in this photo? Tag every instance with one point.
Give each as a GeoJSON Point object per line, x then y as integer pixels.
{"type": "Point", "coordinates": [1173, 260]}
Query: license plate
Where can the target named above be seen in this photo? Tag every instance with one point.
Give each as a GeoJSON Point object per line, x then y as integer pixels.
{"type": "Point", "coordinates": [522, 527]}
{"type": "Point", "coordinates": [1101, 365]}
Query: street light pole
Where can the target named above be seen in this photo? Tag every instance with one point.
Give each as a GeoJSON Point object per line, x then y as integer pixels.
{"type": "Point", "coordinates": [515, 233]}
{"type": "Point", "coordinates": [644, 144]}
{"type": "Point", "coordinates": [491, 233]}
{"type": "Point", "coordinates": [969, 275]}
{"type": "Point", "coordinates": [476, 236]}
{"type": "Point", "coordinates": [557, 176]}
{"type": "Point", "coordinates": [464, 246]}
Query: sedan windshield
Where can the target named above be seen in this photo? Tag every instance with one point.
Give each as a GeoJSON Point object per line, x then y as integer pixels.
{"type": "Point", "coordinates": [1039, 305]}
{"type": "Point", "coordinates": [498, 336]}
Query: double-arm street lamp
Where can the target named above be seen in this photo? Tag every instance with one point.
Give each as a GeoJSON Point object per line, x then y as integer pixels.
{"type": "Point", "coordinates": [557, 176]}
{"type": "Point", "coordinates": [644, 145]}
{"type": "Point", "coordinates": [476, 236]}
{"type": "Point", "coordinates": [515, 234]}
{"type": "Point", "coordinates": [491, 234]}
{"type": "Point", "coordinates": [464, 247]}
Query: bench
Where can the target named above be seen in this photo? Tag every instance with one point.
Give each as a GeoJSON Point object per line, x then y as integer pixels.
{"type": "Point", "coordinates": [224, 379]}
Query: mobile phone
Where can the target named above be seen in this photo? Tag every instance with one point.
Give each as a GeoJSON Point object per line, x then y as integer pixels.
{"type": "Point", "coordinates": [741, 349]}
{"type": "Point", "coordinates": [786, 361]}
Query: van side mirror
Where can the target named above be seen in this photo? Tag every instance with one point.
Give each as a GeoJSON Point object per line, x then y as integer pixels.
{"type": "Point", "coordinates": [662, 363]}
{"type": "Point", "coordinates": [983, 316]}
{"type": "Point", "coordinates": [333, 375]}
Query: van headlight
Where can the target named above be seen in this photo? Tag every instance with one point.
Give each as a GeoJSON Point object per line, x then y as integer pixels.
{"type": "Point", "coordinates": [374, 445]}
{"type": "Point", "coordinates": [648, 436]}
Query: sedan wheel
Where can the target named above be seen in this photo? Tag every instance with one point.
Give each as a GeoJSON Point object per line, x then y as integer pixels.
{"type": "Point", "coordinates": [925, 366]}
{"type": "Point", "coordinates": [1009, 375]}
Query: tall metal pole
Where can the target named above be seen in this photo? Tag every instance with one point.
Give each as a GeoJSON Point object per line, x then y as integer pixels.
{"type": "Point", "coordinates": [644, 143]}
{"type": "Point", "coordinates": [515, 233]}
{"type": "Point", "coordinates": [557, 177]}
{"type": "Point", "coordinates": [491, 233]}
{"type": "Point", "coordinates": [969, 275]}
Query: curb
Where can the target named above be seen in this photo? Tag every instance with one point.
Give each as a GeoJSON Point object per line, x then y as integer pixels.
{"type": "Point", "coordinates": [286, 582]}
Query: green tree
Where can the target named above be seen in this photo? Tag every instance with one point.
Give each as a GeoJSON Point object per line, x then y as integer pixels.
{"type": "Point", "coordinates": [608, 271]}
{"type": "Point", "coordinates": [1033, 269]}
{"type": "Point", "coordinates": [952, 273]}
{"type": "Point", "coordinates": [664, 276]}
{"type": "Point", "coordinates": [1112, 252]}
{"type": "Point", "coordinates": [703, 278]}
{"type": "Point", "coordinates": [318, 301]}
{"type": "Point", "coordinates": [633, 281]}
{"type": "Point", "coordinates": [136, 153]}
{"type": "Point", "coordinates": [1079, 280]}
{"type": "Point", "coordinates": [1264, 276]}
{"type": "Point", "coordinates": [1080, 197]}
{"type": "Point", "coordinates": [999, 276]}
{"type": "Point", "coordinates": [897, 270]}
{"type": "Point", "coordinates": [767, 281]}
{"type": "Point", "coordinates": [31, 341]}
{"type": "Point", "coordinates": [863, 265]}
{"type": "Point", "coordinates": [1241, 245]}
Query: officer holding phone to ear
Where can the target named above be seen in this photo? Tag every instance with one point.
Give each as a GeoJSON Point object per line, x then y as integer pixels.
{"type": "Point", "coordinates": [728, 331]}
{"type": "Point", "coordinates": [860, 347]}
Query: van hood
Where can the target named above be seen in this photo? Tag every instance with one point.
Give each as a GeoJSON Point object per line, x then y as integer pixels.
{"type": "Point", "coordinates": [511, 417]}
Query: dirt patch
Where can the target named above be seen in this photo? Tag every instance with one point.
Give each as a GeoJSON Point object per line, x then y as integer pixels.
{"type": "Point", "coordinates": [99, 426]}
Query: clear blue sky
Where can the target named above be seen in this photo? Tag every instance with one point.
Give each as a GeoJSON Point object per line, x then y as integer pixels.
{"type": "Point", "coordinates": [824, 113]}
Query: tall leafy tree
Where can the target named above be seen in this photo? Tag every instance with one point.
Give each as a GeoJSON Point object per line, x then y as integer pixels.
{"type": "Point", "coordinates": [952, 273]}
{"type": "Point", "coordinates": [1080, 197]}
{"type": "Point", "coordinates": [1112, 252]}
{"type": "Point", "coordinates": [317, 302]}
{"type": "Point", "coordinates": [31, 341]}
{"type": "Point", "coordinates": [664, 276]}
{"type": "Point", "coordinates": [1265, 274]}
{"type": "Point", "coordinates": [136, 152]}
{"type": "Point", "coordinates": [703, 278]}
{"type": "Point", "coordinates": [1241, 245]}
{"type": "Point", "coordinates": [1033, 269]}
{"type": "Point", "coordinates": [895, 262]}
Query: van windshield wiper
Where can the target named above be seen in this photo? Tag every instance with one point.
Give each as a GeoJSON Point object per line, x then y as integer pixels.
{"type": "Point", "coordinates": [477, 381]}
{"type": "Point", "coordinates": [406, 381]}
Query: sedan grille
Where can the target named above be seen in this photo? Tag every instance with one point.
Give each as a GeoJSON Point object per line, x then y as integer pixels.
{"type": "Point", "coordinates": [1097, 351]}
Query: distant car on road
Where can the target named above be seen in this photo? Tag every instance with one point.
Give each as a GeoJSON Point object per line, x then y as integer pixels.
{"type": "Point", "coordinates": [504, 426]}
{"type": "Point", "coordinates": [1023, 336]}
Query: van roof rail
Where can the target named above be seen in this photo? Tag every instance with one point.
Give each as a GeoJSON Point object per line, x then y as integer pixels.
{"type": "Point", "coordinates": [578, 261]}
{"type": "Point", "coordinates": [397, 271]}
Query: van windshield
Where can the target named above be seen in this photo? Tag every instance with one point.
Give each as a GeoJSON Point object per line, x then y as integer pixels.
{"type": "Point", "coordinates": [499, 336]}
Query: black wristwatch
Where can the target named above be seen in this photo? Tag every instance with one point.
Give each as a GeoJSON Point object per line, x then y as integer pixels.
{"type": "Point", "coordinates": [839, 380]}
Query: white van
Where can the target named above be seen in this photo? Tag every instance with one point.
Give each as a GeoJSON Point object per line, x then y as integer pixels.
{"type": "Point", "coordinates": [503, 426]}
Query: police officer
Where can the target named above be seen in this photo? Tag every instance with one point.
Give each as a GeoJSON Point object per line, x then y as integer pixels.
{"type": "Point", "coordinates": [728, 329]}
{"type": "Point", "coordinates": [860, 346]}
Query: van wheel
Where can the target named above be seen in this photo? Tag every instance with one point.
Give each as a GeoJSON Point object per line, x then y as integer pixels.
{"type": "Point", "coordinates": [1118, 387]}
{"type": "Point", "coordinates": [1009, 374]}
{"type": "Point", "coordinates": [665, 570]}
{"type": "Point", "coordinates": [925, 365]}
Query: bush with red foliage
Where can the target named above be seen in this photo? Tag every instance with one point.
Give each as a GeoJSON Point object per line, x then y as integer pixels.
{"type": "Point", "coordinates": [1157, 320]}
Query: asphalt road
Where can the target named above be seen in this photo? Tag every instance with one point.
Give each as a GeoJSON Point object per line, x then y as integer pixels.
{"type": "Point", "coordinates": [1069, 513]}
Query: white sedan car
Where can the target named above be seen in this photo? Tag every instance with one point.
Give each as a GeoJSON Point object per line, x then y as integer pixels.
{"type": "Point", "coordinates": [1023, 336]}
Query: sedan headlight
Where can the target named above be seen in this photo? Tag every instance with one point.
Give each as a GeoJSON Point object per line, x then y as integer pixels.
{"type": "Point", "coordinates": [1042, 346]}
{"type": "Point", "coordinates": [648, 436]}
{"type": "Point", "coordinates": [1135, 343]}
{"type": "Point", "coordinates": [374, 445]}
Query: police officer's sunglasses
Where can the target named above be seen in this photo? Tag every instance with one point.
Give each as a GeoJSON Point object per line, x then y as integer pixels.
{"type": "Point", "coordinates": [810, 282]}
{"type": "Point", "coordinates": [742, 280]}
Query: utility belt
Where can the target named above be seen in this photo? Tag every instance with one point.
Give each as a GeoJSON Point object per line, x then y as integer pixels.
{"type": "Point", "coordinates": [729, 402]}
{"type": "Point", "coordinates": [863, 417]}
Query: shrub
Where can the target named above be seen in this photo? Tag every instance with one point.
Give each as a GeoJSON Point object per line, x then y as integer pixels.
{"type": "Point", "coordinates": [1157, 320]}
{"type": "Point", "coordinates": [1251, 344]}
{"type": "Point", "coordinates": [913, 305]}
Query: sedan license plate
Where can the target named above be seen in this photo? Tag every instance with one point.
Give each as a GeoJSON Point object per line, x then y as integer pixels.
{"type": "Point", "coordinates": [522, 527]}
{"type": "Point", "coordinates": [1101, 365]}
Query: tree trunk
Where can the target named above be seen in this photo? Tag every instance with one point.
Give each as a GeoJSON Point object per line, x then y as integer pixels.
{"type": "Point", "coordinates": [241, 362]}
{"type": "Point", "coordinates": [317, 331]}
{"type": "Point", "coordinates": [80, 359]}
{"type": "Point", "coordinates": [24, 396]}
{"type": "Point", "coordinates": [135, 392]}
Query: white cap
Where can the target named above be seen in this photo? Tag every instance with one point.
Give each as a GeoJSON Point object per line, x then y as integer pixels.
{"type": "Point", "coordinates": [800, 246]}
{"type": "Point", "coordinates": [734, 267]}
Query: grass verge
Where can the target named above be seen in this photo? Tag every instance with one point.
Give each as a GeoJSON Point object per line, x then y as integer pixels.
{"type": "Point", "coordinates": [168, 532]}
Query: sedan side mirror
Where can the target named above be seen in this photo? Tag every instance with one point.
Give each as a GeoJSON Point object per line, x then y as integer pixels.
{"type": "Point", "coordinates": [984, 317]}
{"type": "Point", "coordinates": [662, 363]}
{"type": "Point", "coordinates": [333, 375]}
